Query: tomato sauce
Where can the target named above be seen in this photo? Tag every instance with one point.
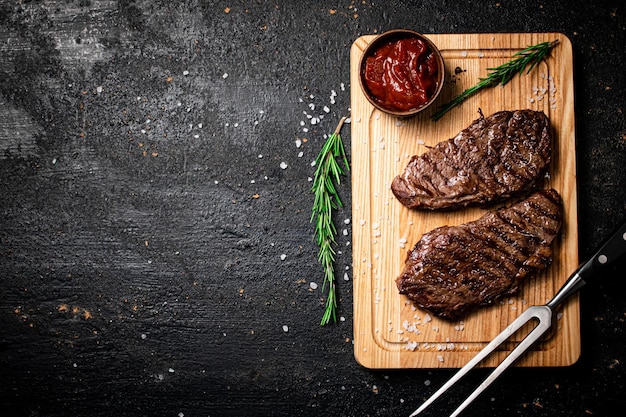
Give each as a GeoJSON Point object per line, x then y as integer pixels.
{"type": "Point", "coordinates": [402, 75]}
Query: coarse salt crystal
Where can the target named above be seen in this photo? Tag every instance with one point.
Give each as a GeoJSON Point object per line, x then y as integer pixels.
{"type": "Point", "coordinates": [283, 257]}
{"type": "Point", "coordinates": [285, 328]}
{"type": "Point", "coordinates": [313, 285]}
{"type": "Point", "coordinates": [225, 75]}
{"type": "Point", "coordinates": [283, 165]}
{"type": "Point", "coordinates": [185, 73]}
{"type": "Point", "coordinates": [298, 143]}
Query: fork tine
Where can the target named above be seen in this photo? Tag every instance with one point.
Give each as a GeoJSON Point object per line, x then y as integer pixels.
{"type": "Point", "coordinates": [480, 356]}
{"type": "Point", "coordinates": [519, 350]}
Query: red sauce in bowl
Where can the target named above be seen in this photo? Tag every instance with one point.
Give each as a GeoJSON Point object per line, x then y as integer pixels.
{"type": "Point", "coordinates": [402, 75]}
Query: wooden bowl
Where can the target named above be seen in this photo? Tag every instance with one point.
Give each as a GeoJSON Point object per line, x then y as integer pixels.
{"type": "Point", "coordinates": [387, 72]}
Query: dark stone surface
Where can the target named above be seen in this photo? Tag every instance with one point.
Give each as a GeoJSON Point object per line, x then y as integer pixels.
{"type": "Point", "coordinates": [141, 230]}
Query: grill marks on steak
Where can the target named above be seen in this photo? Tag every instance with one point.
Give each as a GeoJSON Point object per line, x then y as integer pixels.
{"type": "Point", "coordinates": [493, 158]}
{"type": "Point", "coordinates": [454, 269]}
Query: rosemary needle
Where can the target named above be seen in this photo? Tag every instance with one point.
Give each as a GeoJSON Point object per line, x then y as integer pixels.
{"type": "Point", "coordinates": [327, 176]}
{"type": "Point", "coordinates": [502, 74]}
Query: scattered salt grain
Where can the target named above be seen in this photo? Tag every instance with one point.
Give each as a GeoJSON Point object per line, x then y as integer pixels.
{"type": "Point", "coordinates": [346, 221]}
{"type": "Point", "coordinates": [326, 109]}
{"type": "Point", "coordinates": [427, 382]}
{"type": "Point", "coordinates": [283, 165]}
{"type": "Point", "coordinates": [225, 75]}
{"type": "Point", "coordinates": [313, 285]}
{"type": "Point", "coordinates": [298, 143]}
{"type": "Point", "coordinates": [285, 328]}
{"type": "Point", "coordinates": [283, 257]}
{"type": "Point", "coordinates": [411, 346]}
{"type": "Point", "coordinates": [345, 276]}
{"type": "Point", "coordinates": [185, 73]}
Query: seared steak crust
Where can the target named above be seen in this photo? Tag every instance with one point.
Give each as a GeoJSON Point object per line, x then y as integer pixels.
{"type": "Point", "coordinates": [494, 158]}
{"type": "Point", "coordinates": [454, 269]}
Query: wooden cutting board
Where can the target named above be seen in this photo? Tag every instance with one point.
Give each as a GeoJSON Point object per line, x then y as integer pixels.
{"type": "Point", "coordinates": [389, 332]}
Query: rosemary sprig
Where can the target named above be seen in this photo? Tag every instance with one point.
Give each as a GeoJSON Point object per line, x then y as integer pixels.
{"type": "Point", "coordinates": [326, 200]}
{"type": "Point", "coordinates": [502, 74]}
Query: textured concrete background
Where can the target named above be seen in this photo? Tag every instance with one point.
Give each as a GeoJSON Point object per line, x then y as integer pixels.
{"type": "Point", "coordinates": [153, 245]}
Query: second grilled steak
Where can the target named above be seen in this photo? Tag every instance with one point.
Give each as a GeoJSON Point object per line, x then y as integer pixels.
{"type": "Point", "coordinates": [452, 270]}
{"type": "Point", "coordinates": [494, 158]}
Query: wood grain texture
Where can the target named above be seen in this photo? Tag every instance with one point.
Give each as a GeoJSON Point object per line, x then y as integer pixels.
{"type": "Point", "coordinates": [389, 332]}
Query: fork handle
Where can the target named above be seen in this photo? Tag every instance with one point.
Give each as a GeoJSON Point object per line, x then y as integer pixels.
{"type": "Point", "coordinates": [609, 252]}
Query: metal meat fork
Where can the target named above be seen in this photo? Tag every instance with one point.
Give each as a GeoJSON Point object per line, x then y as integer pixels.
{"type": "Point", "coordinates": [610, 251]}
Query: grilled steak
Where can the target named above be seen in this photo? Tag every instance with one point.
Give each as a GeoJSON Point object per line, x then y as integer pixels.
{"type": "Point", "coordinates": [454, 269]}
{"type": "Point", "coordinates": [495, 157]}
